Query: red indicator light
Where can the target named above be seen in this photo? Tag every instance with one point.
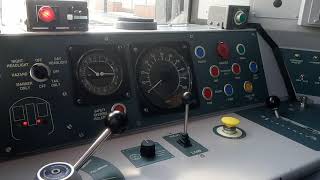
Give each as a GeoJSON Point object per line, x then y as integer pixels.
{"type": "Point", "coordinates": [39, 121]}
{"type": "Point", "coordinates": [214, 71]}
{"type": "Point", "coordinates": [25, 123]}
{"type": "Point", "coordinates": [119, 107]}
{"type": "Point", "coordinates": [46, 14]}
{"type": "Point", "coordinates": [236, 69]}
{"type": "Point", "coordinates": [207, 93]}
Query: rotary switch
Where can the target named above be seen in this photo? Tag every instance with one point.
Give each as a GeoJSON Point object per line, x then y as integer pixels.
{"type": "Point", "coordinates": [40, 72]}
{"type": "Point", "coordinates": [148, 149]}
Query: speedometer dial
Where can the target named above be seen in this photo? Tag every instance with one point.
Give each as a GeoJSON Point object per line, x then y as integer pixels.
{"type": "Point", "coordinates": [98, 73]}
{"type": "Point", "coordinates": [163, 76]}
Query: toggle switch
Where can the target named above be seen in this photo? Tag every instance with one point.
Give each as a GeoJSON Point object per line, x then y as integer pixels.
{"type": "Point", "coordinates": [273, 102]}
{"type": "Point", "coordinates": [184, 137]}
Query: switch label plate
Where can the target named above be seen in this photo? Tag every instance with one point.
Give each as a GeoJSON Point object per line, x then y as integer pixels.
{"type": "Point", "coordinates": [193, 150]}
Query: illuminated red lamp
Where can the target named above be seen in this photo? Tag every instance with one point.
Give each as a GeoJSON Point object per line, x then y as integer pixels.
{"type": "Point", "coordinates": [46, 14]}
{"type": "Point", "coordinates": [25, 123]}
{"type": "Point", "coordinates": [207, 93]}
{"type": "Point", "coordinates": [39, 121]}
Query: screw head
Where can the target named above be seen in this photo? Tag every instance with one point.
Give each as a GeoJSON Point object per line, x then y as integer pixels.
{"type": "Point", "coordinates": [79, 101]}
{"type": "Point", "coordinates": [8, 149]}
{"type": "Point", "coordinates": [69, 126]}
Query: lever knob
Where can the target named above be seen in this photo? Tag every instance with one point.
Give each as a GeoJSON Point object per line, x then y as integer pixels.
{"type": "Point", "coordinates": [273, 102]}
{"type": "Point", "coordinates": [117, 122]}
{"type": "Point", "coordinates": [148, 149]}
{"type": "Point", "coordinates": [187, 98]}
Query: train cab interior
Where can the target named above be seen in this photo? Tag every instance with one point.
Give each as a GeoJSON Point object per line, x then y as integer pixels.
{"type": "Point", "coordinates": [160, 89]}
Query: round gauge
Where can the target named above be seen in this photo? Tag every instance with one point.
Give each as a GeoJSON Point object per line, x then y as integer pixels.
{"type": "Point", "coordinates": [98, 73]}
{"type": "Point", "coordinates": [163, 76]}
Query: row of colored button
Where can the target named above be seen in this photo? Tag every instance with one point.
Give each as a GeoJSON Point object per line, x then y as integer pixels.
{"type": "Point", "coordinates": [236, 69]}
{"type": "Point", "coordinates": [207, 92]}
{"type": "Point", "coordinates": [223, 51]}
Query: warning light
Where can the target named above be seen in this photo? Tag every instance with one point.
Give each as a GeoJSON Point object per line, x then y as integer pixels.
{"type": "Point", "coordinates": [119, 107]}
{"type": "Point", "coordinates": [46, 14]}
{"type": "Point", "coordinates": [25, 123]}
{"type": "Point", "coordinates": [39, 121]}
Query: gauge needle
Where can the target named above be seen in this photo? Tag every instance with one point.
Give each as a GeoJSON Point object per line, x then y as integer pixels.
{"type": "Point", "coordinates": [106, 74]}
{"type": "Point", "coordinates": [156, 85]}
{"type": "Point", "coordinates": [97, 74]}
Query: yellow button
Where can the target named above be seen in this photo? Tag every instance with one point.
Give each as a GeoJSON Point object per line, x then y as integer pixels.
{"type": "Point", "coordinates": [248, 87]}
{"type": "Point", "coordinates": [230, 121]}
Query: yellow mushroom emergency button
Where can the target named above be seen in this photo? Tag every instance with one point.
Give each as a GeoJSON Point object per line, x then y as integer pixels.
{"type": "Point", "coordinates": [230, 122]}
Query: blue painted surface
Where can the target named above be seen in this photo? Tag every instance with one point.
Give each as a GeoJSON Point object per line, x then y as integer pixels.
{"type": "Point", "coordinates": [304, 70]}
{"type": "Point", "coordinates": [305, 128]}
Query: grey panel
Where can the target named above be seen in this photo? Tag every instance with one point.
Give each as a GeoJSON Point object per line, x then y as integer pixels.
{"type": "Point", "coordinates": [261, 155]}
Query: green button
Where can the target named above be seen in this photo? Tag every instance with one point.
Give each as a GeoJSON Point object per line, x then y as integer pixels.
{"type": "Point", "coordinates": [241, 49]}
{"type": "Point", "coordinates": [242, 18]}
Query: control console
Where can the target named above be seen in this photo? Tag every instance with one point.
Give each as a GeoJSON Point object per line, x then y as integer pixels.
{"type": "Point", "coordinates": [59, 90]}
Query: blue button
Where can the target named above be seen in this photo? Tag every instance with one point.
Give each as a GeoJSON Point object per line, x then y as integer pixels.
{"type": "Point", "coordinates": [228, 89]}
{"type": "Point", "coordinates": [200, 52]}
{"type": "Point", "coordinates": [253, 67]}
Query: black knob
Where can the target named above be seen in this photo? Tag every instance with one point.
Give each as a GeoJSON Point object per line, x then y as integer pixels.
{"type": "Point", "coordinates": [187, 98]}
{"type": "Point", "coordinates": [148, 149]}
{"type": "Point", "coordinates": [277, 3]}
{"type": "Point", "coordinates": [117, 121]}
{"type": "Point", "coordinates": [40, 72]}
{"type": "Point", "coordinates": [273, 102]}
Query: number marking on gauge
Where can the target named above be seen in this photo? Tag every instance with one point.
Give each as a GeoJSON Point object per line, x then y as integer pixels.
{"type": "Point", "coordinates": [163, 76]}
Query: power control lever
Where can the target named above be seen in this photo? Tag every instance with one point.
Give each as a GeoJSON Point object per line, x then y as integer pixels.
{"type": "Point", "coordinates": [273, 102]}
{"type": "Point", "coordinates": [116, 123]}
{"type": "Point", "coordinates": [184, 137]}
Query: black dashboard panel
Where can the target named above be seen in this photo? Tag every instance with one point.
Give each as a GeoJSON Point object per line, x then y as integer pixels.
{"type": "Point", "coordinates": [45, 105]}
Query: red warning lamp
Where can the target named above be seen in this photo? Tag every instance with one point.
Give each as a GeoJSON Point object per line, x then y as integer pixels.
{"type": "Point", "coordinates": [25, 123]}
{"type": "Point", "coordinates": [46, 14]}
{"type": "Point", "coordinates": [39, 121]}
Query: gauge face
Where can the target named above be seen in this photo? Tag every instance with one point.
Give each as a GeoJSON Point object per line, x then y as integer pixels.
{"type": "Point", "coordinates": [99, 74]}
{"type": "Point", "coordinates": [163, 76]}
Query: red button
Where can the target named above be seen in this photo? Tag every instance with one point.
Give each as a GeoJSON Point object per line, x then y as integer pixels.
{"type": "Point", "coordinates": [214, 71]}
{"type": "Point", "coordinates": [46, 14]}
{"type": "Point", "coordinates": [223, 50]}
{"type": "Point", "coordinates": [119, 107]}
{"type": "Point", "coordinates": [207, 93]}
{"type": "Point", "coordinates": [236, 69]}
